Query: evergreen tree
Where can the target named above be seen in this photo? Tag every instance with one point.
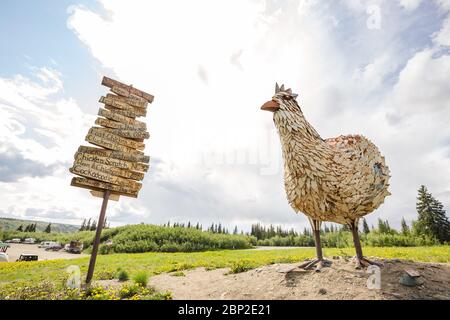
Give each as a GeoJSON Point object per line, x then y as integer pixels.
{"type": "Point", "coordinates": [93, 225]}
{"type": "Point", "coordinates": [383, 226]}
{"type": "Point", "coordinates": [365, 228]}
{"type": "Point", "coordinates": [83, 225]}
{"type": "Point", "coordinates": [88, 225]}
{"type": "Point", "coordinates": [20, 228]}
{"type": "Point", "coordinates": [432, 220]}
{"type": "Point", "coordinates": [105, 223]}
{"type": "Point", "coordinates": [48, 229]}
{"type": "Point", "coordinates": [405, 227]}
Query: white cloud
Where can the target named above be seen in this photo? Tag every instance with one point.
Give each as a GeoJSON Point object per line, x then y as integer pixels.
{"type": "Point", "coordinates": [211, 65]}
{"type": "Point", "coordinates": [410, 4]}
{"type": "Point", "coordinates": [311, 51]}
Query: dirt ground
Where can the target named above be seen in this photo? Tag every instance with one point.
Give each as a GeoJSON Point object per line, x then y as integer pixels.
{"type": "Point", "coordinates": [341, 281]}
{"type": "Point", "coordinates": [17, 249]}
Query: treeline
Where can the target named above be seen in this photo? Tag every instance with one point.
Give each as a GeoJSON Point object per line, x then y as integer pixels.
{"type": "Point", "coordinates": [32, 228]}
{"type": "Point", "coordinates": [145, 238]}
{"type": "Point", "coordinates": [91, 226]}
{"type": "Point", "coordinates": [432, 227]}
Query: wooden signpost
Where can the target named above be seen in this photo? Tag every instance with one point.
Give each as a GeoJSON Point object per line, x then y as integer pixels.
{"type": "Point", "coordinates": [118, 166]}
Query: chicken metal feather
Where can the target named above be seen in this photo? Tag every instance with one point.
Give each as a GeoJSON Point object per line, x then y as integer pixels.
{"type": "Point", "coordinates": [339, 179]}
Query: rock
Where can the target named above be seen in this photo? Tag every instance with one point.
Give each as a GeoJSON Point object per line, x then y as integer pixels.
{"type": "Point", "coordinates": [322, 291]}
{"type": "Point", "coordinates": [409, 281]}
{"type": "Point", "coordinates": [412, 273]}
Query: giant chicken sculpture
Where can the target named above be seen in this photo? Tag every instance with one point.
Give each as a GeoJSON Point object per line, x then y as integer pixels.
{"type": "Point", "coordinates": [338, 180]}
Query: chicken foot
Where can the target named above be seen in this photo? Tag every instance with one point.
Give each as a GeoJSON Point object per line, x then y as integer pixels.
{"type": "Point", "coordinates": [361, 261]}
{"type": "Point", "coordinates": [319, 262]}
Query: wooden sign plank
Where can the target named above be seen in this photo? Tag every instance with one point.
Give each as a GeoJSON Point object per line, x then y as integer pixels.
{"type": "Point", "coordinates": [88, 172]}
{"type": "Point", "coordinates": [115, 154]}
{"type": "Point", "coordinates": [132, 134]}
{"type": "Point", "coordinates": [119, 118]}
{"type": "Point", "coordinates": [104, 133]}
{"type": "Point", "coordinates": [116, 125]}
{"type": "Point", "coordinates": [138, 103]}
{"type": "Point", "coordinates": [118, 163]}
{"type": "Point", "coordinates": [129, 96]}
{"type": "Point", "coordinates": [116, 103]}
{"type": "Point", "coordinates": [126, 113]}
{"type": "Point", "coordinates": [125, 173]}
{"type": "Point", "coordinates": [91, 184]}
{"type": "Point", "coordinates": [111, 83]}
{"type": "Point", "coordinates": [109, 144]}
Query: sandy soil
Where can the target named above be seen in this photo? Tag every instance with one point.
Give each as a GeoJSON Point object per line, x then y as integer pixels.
{"type": "Point", "coordinates": [17, 249]}
{"type": "Point", "coordinates": [340, 281]}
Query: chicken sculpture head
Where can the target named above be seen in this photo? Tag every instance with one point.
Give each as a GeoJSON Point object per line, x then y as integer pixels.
{"type": "Point", "coordinates": [339, 179]}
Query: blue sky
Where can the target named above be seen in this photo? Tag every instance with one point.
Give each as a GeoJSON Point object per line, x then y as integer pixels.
{"type": "Point", "coordinates": [373, 67]}
{"type": "Point", "coordinates": [35, 33]}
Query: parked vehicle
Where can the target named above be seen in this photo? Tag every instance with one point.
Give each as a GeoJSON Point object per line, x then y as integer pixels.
{"type": "Point", "coordinates": [28, 257]}
{"type": "Point", "coordinates": [15, 240]}
{"type": "Point", "coordinates": [74, 247]}
{"type": "Point", "coordinates": [29, 241]}
{"type": "Point", "coordinates": [55, 246]}
{"type": "Point", "coordinates": [45, 244]}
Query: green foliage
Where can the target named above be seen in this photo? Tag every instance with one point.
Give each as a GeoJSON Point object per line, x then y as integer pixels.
{"type": "Point", "coordinates": [366, 228]}
{"type": "Point", "coordinates": [160, 262]}
{"type": "Point", "coordinates": [105, 274]}
{"type": "Point", "coordinates": [344, 239]}
{"type": "Point", "coordinates": [47, 290]}
{"type": "Point", "coordinates": [129, 290]}
{"type": "Point", "coordinates": [432, 221]}
{"type": "Point", "coordinates": [122, 276]}
{"type": "Point", "coordinates": [240, 266]}
{"type": "Point", "coordinates": [141, 278]}
{"type": "Point", "coordinates": [405, 228]}
{"type": "Point", "coordinates": [145, 238]}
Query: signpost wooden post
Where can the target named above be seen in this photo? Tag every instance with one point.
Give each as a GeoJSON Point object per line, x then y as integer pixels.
{"type": "Point", "coordinates": [117, 167]}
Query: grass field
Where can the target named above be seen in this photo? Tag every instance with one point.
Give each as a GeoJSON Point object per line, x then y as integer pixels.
{"type": "Point", "coordinates": [157, 262]}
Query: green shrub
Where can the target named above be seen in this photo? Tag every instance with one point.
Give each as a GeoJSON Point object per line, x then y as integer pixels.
{"type": "Point", "coordinates": [240, 266]}
{"type": "Point", "coordinates": [123, 276]}
{"type": "Point", "coordinates": [141, 278]}
{"type": "Point", "coordinates": [128, 291]}
{"type": "Point", "coordinates": [105, 274]}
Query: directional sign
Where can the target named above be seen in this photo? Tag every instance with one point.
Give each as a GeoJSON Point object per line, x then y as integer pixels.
{"type": "Point", "coordinates": [134, 101]}
{"type": "Point", "coordinates": [99, 186]}
{"type": "Point", "coordinates": [119, 118]}
{"type": "Point", "coordinates": [119, 164]}
{"type": "Point", "coordinates": [114, 154]}
{"type": "Point", "coordinates": [127, 90]}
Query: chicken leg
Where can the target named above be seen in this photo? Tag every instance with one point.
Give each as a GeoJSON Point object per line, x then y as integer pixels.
{"type": "Point", "coordinates": [360, 259]}
{"type": "Point", "coordinates": [319, 262]}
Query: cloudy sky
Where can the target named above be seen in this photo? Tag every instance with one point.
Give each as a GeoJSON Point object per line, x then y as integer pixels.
{"type": "Point", "coordinates": [378, 68]}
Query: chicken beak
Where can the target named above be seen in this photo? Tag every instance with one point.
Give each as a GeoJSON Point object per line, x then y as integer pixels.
{"type": "Point", "coordinates": [270, 106]}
